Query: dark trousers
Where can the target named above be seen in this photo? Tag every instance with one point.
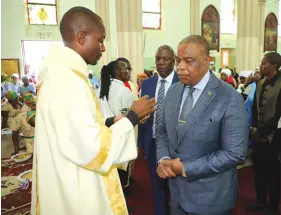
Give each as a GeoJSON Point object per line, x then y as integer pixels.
{"type": "Point", "coordinates": [159, 186]}
{"type": "Point", "coordinates": [266, 168]}
{"type": "Point", "coordinates": [123, 175]}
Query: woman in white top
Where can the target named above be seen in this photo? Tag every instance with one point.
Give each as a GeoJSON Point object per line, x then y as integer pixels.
{"type": "Point", "coordinates": [118, 96]}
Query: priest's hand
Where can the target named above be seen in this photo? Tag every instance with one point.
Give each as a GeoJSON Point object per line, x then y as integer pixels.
{"type": "Point", "coordinates": [143, 120]}
{"type": "Point", "coordinates": [144, 107]}
{"type": "Point", "coordinates": [164, 169]}
{"type": "Point", "coordinates": [117, 118]}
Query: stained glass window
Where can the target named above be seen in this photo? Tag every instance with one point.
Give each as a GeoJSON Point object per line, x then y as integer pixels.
{"type": "Point", "coordinates": [151, 14]}
{"type": "Point", "coordinates": [228, 17]}
{"type": "Point", "coordinates": [42, 12]}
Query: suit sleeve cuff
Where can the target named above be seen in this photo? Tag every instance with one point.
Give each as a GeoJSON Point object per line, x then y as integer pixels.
{"type": "Point", "coordinates": [166, 157]}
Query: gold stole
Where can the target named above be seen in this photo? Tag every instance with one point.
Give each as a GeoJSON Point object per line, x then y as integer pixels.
{"type": "Point", "coordinates": [111, 178]}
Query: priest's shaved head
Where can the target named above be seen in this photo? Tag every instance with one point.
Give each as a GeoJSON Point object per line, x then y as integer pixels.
{"type": "Point", "coordinates": [83, 31]}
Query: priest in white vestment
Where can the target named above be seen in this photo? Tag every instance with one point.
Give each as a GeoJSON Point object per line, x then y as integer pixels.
{"type": "Point", "coordinates": [76, 151]}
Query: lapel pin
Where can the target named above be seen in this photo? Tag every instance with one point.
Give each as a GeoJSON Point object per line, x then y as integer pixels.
{"type": "Point", "coordinates": [209, 93]}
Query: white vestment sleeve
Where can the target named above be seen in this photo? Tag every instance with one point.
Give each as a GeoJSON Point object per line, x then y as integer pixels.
{"type": "Point", "coordinates": [81, 139]}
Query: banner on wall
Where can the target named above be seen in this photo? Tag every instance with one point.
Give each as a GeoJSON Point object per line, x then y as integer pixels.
{"type": "Point", "coordinates": [10, 66]}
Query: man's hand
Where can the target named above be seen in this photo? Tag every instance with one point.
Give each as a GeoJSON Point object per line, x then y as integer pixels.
{"type": "Point", "coordinates": [144, 106]}
{"type": "Point", "coordinates": [177, 166]}
{"type": "Point", "coordinates": [249, 80]}
{"type": "Point", "coordinates": [164, 169]}
{"type": "Point", "coordinates": [256, 137]}
{"type": "Point", "coordinates": [143, 120]}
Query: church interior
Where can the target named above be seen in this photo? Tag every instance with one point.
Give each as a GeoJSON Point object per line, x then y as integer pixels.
{"type": "Point", "coordinates": [239, 34]}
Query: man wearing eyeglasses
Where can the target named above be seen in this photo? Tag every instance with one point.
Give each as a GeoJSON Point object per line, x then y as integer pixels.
{"type": "Point", "coordinates": [157, 87]}
{"type": "Point", "coordinates": [202, 137]}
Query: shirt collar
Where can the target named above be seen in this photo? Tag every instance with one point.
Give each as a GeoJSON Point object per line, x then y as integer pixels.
{"type": "Point", "coordinates": [169, 78]}
{"type": "Point", "coordinates": [202, 84]}
{"type": "Point", "coordinates": [118, 81]}
{"type": "Point", "coordinates": [272, 80]}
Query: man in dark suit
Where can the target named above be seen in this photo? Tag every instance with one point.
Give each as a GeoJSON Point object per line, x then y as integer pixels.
{"type": "Point", "coordinates": [157, 87]}
{"type": "Point", "coordinates": [203, 136]}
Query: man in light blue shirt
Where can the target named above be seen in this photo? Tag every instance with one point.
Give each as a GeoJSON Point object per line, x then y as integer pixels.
{"type": "Point", "coordinates": [95, 82]}
{"type": "Point", "coordinates": [27, 87]}
{"type": "Point", "coordinates": [14, 85]}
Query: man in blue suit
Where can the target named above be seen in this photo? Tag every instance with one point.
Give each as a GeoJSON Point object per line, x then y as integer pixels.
{"type": "Point", "coordinates": [203, 136]}
{"type": "Point", "coordinates": [157, 87]}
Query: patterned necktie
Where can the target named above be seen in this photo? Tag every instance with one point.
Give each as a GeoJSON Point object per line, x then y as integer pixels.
{"type": "Point", "coordinates": [187, 105]}
{"type": "Point", "coordinates": [160, 104]}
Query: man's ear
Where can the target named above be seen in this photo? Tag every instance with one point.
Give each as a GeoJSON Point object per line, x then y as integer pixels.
{"type": "Point", "coordinates": [81, 37]}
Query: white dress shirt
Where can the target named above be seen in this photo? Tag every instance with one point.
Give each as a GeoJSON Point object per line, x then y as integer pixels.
{"type": "Point", "coordinates": [119, 97]}
{"type": "Point", "coordinates": [168, 83]}
{"type": "Point", "coordinates": [197, 92]}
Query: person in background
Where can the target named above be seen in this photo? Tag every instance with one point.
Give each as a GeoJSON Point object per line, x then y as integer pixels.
{"type": "Point", "coordinates": [119, 99]}
{"type": "Point", "coordinates": [266, 113]}
{"type": "Point", "coordinates": [21, 124]}
{"type": "Point", "coordinates": [140, 79]}
{"type": "Point", "coordinates": [244, 88]}
{"type": "Point", "coordinates": [234, 74]}
{"type": "Point", "coordinates": [157, 87]}
{"type": "Point", "coordinates": [14, 85]}
{"type": "Point", "coordinates": [129, 67]}
{"type": "Point", "coordinates": [4, 114]}
{"type": "Point", "coordinates": [112, 88]}
{"type": "Point", "coordinates": [12, 108]}
{"type": "Point", "coordinates": [27, 87]}
{"type": "Point", "coordinates": [95, 82]}
{"type": "Point", "coordinates": [251, 81]}
{"type": "Point", "coordinates": [32, 78]}
{"type": "Point", "coordinates": [213, 70]}
{"type": "Point", "coordinates": [227, 77]}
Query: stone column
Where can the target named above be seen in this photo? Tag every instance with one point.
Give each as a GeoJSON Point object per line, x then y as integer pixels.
{"type": "Point", "coordinates": [130, 33]}
{"type": "Point", "coordinates": [102, 9]}
{"type": "Point", "coordinates": [261, 22]}
{"type": "Point", "coordinates": [195, 17]}
{"type": "Point", "coordinates": [249, 34]}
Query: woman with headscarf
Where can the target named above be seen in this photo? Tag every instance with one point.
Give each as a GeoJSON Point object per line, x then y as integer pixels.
{"type": "Point", "coordinates": [140, 79]}
{"type": "Point", "coordinates": [27, 87]}
{"type": "Point", "coordinates": [13, 106]}
{"type": "Point", "coordinates": [227, 77]}
{"type": "Point", "coordinates": [24, 123]}
{"type": "Point", "coordinates": [243, 87]}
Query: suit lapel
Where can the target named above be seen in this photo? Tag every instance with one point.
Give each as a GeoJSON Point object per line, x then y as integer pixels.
{"type": "Point", "coordinates": [153, 88]}
{"type": "Point", "coordinates": [175, 78]}
{"type": "Point", "coordinates": [205, 99]}
{"type": "Point", "coordinates": [175, 109]}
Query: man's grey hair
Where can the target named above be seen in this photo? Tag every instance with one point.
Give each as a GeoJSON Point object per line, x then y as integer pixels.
{"type": "Point", "coordinates": [168, 48]}
{"type": "Point", "coordinates": [196, 39]}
